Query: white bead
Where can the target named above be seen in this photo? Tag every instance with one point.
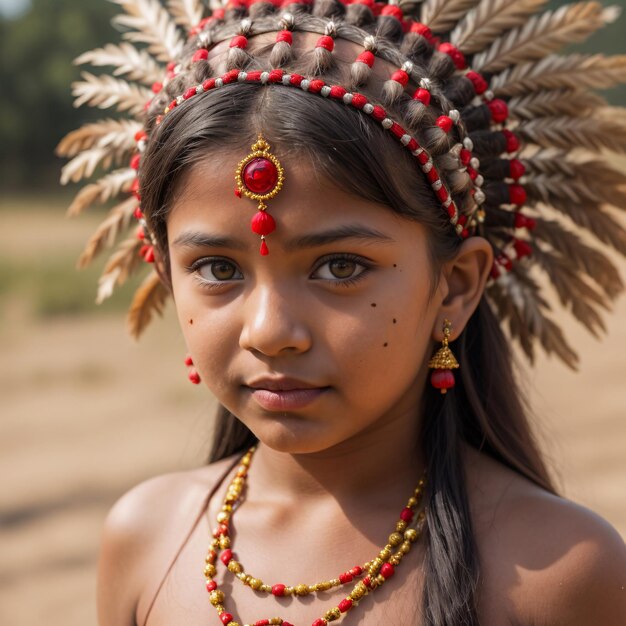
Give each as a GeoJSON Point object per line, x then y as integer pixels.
{"type": "Point", "coordinates": [425, 84]}
{"type": "Point", "coordinates": [180, 100]}
{"type": "Point", "coordinates": [479, 196]}
{"type": "Point", "coordinates": [437, 185]}
{"type": "Point", "coordinates": [287, 21]}
{"type": "Point", "coordinates": [405, 139]}
{"type": "Point", "coordinates": [304, 85]}
{"type": "Point", "coordinates": [265, 76]}
{"type": "Point", "coordinates": [325, 91]}
{"type": "Point", "coordinates": [368, 108]}
{"type": "Point", "coordinates": [199, 89]}
{"type": "Point", "coordinates": [241, 77]}
{"type": "Point", "coordinates": [417, 152]}
{"type": "Point", "coordinates": [475, 163]}
{"type": "Point", "coordinates": [459, 229]}
{"type": "Point", "coordinates": [219, 82]}
{"type": "Point", "coordinates": [141, 145]}
{"type": "Point", "coordinates": [468, 144]}
{"type": "Point", "coordinates": [330, 29]}
{"type": "Point", "coordinates": [479, 180]}
{"type": "Point", "coordinates": [454, 115]}
{"type": "Point", "coordinates": [488, 95]}
{"type": "Point", "coordinates": [407, 67]}
{"type": "Point", "coordinates": [427, 166]}
{"type": "Point", "coordinates": [447, 202]}
{"type": "Point", "coordinates": [369, 43]}
{"type": "Point", "coordinates": [246, 25]}
{"type": "Point", "coordinates": [387, 123]}
{"type": "Point", "coordinates": [455, 218]}
{"type": "Point", "coordinates": [347, 98]}
{"type": "Point", "coordinates": [286, 79]}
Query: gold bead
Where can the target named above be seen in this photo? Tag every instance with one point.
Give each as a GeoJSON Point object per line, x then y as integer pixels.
{"type": "Point", "coordinates": [224, 542]}
{"type": "Point", "coordinates": [333, 614]}
{"type": "Point", "coordinates": [220, 609]}
{"type": "Point", "coordinates": [276, 620]}
{"type": "Point", "coordinates": [358, 592]}
{"type": "Point", "coordinates": [222, 517]}
{"type": "Point", "coordinates": [243, 577]}
{"type": "Point", "coordinates": [216, 597]}
{"type": "Point", "coordinates": [234, 567]}
{"type": "Point", "coordinates": [380, 579]}
{"type": "Point", "coordinates": [411, 535]}
{"type": "Point", "coordinates": [324, 586]}
{"type": "Point", "coordinates": [395, 560]}
{"type": "Point", "coordinates": [405, 548]}
{"type": "Point", "coordinates": [401, 526]}
{"type": "Point", "coordinates": [255, 583]}
{"type": "Point", "coordinates": [384, 554]}
{"type": "Point", "coordinates": [412, 502]}
{"type": "Point", "coordinates": [210, 570]}
{"type": "Point", "coordinates": [265, 588]}
{"type": "Point", "coordinates": [302, 590]}
{"type": "Point", "coordinates": [395, 539]}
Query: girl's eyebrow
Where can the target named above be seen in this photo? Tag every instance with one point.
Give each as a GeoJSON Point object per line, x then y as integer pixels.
{"type": "Point", "coordinates": [196, 239]}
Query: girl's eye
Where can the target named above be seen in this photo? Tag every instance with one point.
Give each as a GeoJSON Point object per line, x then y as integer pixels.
{"type": "Point", "coordinates": [217, 270]}
{"type": "Point", "coordinates": [343, 268]}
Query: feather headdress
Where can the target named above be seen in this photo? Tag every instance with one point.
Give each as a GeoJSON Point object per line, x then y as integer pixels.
{"type": "Point", "coordinates": [533, 138]}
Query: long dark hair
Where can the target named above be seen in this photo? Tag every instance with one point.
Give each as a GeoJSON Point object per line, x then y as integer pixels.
{"type": "Point", "coordinates": [484, 410]}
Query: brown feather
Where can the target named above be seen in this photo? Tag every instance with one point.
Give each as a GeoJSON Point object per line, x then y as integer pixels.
{"type": "Point", "coordinates": [186, 13]}
{"type": "Point", "coordinates": [119, 134]}
{"type": "Point", "coordinates": [149, 300]}
{"type": "Point", "coordinates": [107, 187]}
{"type": "Point", "coordinates": [105, 91]}
{"type": "Point", "coordinates": [442, 15]}
{"type": "Point", "coordinates": [558, 103]}
{"type": "Point", "coordinates": [543, 34]}
{"type": "Point", "coordinates": [573, 71]}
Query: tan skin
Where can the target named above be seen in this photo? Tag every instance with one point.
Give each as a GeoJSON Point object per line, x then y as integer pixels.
{"type": "Point", "coordinates": [328, 480]}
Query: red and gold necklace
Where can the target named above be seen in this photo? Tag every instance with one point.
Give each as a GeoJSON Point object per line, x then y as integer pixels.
{"type": "Point", "coordinates": [374, 573]}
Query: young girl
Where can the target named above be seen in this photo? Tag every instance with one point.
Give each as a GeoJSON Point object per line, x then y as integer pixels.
{"type": "Point", "coordinates": [347, 203]}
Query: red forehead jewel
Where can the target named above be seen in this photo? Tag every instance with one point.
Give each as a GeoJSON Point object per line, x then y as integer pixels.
{"type": "Point", "coordinates": [260, 177]}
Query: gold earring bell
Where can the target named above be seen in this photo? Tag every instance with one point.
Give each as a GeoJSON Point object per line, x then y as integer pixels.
{"type": "Point", "coordinates": [443, 362]}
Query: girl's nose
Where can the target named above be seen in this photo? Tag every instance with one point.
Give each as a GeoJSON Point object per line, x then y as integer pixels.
{"type": "Point", "coordinates": [272, 325]}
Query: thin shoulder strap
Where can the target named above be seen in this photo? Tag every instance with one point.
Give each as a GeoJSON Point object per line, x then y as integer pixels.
{"type": "Point", "coordinates": [199, 515]}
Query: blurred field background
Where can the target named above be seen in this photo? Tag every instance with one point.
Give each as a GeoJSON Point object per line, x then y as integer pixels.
{"type": "Point", "coordinates": [86, 412]}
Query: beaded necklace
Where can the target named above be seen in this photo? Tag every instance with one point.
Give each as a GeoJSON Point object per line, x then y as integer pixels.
{"type": "Point", "coordinates": [374, 573]}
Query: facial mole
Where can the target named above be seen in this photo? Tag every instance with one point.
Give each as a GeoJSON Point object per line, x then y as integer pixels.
{"type": "Point", "coordinates": [395, 265]}
{"type": "Point", "coordinates": [373, 304]}
{"type": "Point", "coordinates": [385, 344]}
{"type": "Point", "coordinates": [395, 321]}
{"type": "Point", "coordinates": [191, 322]}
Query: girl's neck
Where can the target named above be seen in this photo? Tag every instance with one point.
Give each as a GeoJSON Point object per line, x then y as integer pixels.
{"type": "Point", "coordinates": [375, 465]}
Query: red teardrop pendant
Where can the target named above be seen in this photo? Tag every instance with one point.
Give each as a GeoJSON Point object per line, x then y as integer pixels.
{"type": "Point", "coordinates": [442, 380]}
{"type": "Point", "coordinates": [260, 175]}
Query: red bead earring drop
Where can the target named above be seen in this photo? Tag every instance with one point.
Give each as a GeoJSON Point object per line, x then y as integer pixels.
{"type": "Point", "coordinates": [443, 362]}
{"type": "Point", "coordinates": [193, 375]}
{"type": "Point", "coordinates": [260, 176]}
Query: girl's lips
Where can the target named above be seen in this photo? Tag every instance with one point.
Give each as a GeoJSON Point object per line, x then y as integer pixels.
{"type": "Point", "coordinates": [286, 400]}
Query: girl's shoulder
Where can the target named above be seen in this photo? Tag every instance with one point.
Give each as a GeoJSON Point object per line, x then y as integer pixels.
{"type": "Point", "coordinates": [545, 559]}
{"type": "Point", "coordinates": [142, 533]}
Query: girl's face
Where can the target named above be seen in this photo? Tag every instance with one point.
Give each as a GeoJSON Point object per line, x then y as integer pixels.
{"type": "Point", "coordinates": [327, 337]}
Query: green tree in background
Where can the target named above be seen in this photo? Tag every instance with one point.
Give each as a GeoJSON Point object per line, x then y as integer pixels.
{"type": "Point", "coordinates": [36, 53]}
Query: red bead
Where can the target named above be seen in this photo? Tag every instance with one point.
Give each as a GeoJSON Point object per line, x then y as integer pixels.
{"type": "Point", "coordinates": [512, 141]}
{"type": "Point", "coordinates": [156, 87]}
{"type": "Point", "coordinates": [378, 113]}
{"type": "Point", "coordinates": [188, 361]}
{"type": "Point", "coordinates": [406, 515]}
{"type": "Point", "coordinates": [337, 92]}
{"type": "Point", "coordinates": [465, 156]}
{"type": "Point", "coordinates": [346, 577]}
{"type": "Point", "coordinates": [264, 250]}
{"type": "Point", "coordinates": [226, 556]}
{"type": "Point", "coordinates": [239, 41]}
{"type": "Point", "coordinates": [522, 248]}
{"type": "Point", "coordinates": [226, 618]}
{"type": "Point", "coordinates": [345, 605]}
{"type": "Point", "coordinates": [505, 262]}
{"type": "Point", "coordinates": [276, 76]}
{"type": "Point", "coordinates": [397, 130]}
{"type": "Point", "coordinates": [393, 10]}
{"type": "Point", "coordinates": [400, 77]}
{"type": "Point", "coordinates": [190, 93]}
{"type": "Point", "coordinates": [278, 590]}
{"type": "Point", "coordinates": [455, 54]}
{"type": "Point", "coordinates": [138, 213]}
{"type": "Point", "coordinates": [517, 194]}
{"type": "Point", "coordinates": [286, 36]}
{"type": "Point", "coordinates": [445, 123]}
{"type": "Point", "coordinates": [140, 135]}
{"type": "Point", "coordinates": [135, 161]}
{"type": "Point", "coordinates": [262, 622]}
{"type": "Point", "coordinates": [357, 570]}
{"type": "Point", "coordinates": [200, 55]}
{"type": "Point", "coordinates": [387, 570]}
{"type": "Point", "coordinates": [499, 110]}
{"type": "Point", "coordinates": [422, 29]}
{"type": "Point", "coordinates": [148, 254]}
{"type": "Point", "coordinates": [423, 95]}
{"type": "Point", "coordinates": [412, 145]}
{"type": "Point", "coordinates": [263, 223]}
{"type": "Point", "coordinates": [432, 175]}
{"type": "Point", "coordinates": [325, 42]}
{"type": "Point", "coordinates": [315, 86]}
{"type": "Point", "coordinates": [287, 623]}
{"type": "Point", "coordinates": [238, 193]}
{"type": "Point", "coordinates": [194, 377]}
{"type": "Point", "coordinates": [516, 169]}
{"type": "Point", "coordinates": [480, 84]}
{"type": "Point", "coordinates": [442, 379]}
{"type": "Point", "coordinates": [358, 101]}
{"type": "Point", "coordinates": [211, 585]}
{"type": "Point", "coordinates": [523, 221]}
{"type": "Point", "coordinates": [319, 622]}
{"type": "Point", "coordinates": [366, 57]}
{"type": "Point", "coordinates": [296, 79]}
{"type": "Point", "coordinates": [260, 175]}
{"type": "Point", "coordinates": [367, 581]}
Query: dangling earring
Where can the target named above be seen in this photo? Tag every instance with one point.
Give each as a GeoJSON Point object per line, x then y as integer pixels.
{"type": "Point", "coordinates": [193, 375]}
{"type": "Point", "coordinates": [443, 362]}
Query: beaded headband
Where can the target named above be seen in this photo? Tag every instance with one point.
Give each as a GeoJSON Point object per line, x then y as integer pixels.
{"type": "Point", "coordinates": [505, 131]}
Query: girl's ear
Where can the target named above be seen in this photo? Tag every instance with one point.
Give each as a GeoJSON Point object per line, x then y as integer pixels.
{"type": "Point", "coordinates": [464, 279]}
{"type": "Point", "coordinates": [162, 269]}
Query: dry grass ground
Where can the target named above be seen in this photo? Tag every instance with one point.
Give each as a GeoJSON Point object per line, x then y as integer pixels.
{"type": "Point", "coordinates": [86, 413]}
